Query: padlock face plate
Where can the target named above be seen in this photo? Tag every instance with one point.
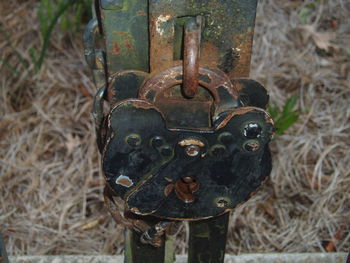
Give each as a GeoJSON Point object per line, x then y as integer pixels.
{"type": "Point", "coordinates": [185, 174]}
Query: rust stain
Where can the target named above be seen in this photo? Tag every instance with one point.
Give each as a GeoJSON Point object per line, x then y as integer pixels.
{"type": "Point", "coordinates": [244, 49]}
{"type": "Point", "coordinates": [236, 85]}
{"type": "Point", "coordinates": [168, 189]}
{"type": "Point", "coordinates": [209, 55]}
{"type": "Point", "coordinates": [128, 46]}
{"type": "Point", "coordinates": [142, 104]}
{"type": "Point", "coordinates": [185, 189]}
{"type": "Point", "coordinates": [111, 94]}
{"type": "Point", "coordinates": [191, 54]}
{"type": "Point", "coordinates": [116, 48]}
{"type": "Point", "coordinates": [141, 13]}
{"type": "Point", "coordinates": [187, 142]}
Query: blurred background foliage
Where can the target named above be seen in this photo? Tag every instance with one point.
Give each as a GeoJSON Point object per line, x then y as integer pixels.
{"type": "Point", "coordinates": [69, 15]}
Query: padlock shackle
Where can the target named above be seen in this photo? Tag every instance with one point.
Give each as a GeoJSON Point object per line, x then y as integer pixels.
{"type": "Point", "coordinates": [192, 42]}
{"type": "Point", "coordinates": [214, 80]}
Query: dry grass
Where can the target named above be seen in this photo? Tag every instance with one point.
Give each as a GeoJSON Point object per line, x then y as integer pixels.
{"type": "Point", "coordinates": [50, 181]}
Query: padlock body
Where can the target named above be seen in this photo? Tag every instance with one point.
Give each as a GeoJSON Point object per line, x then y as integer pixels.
{"type": "Point", "coordinates": [175, 171]}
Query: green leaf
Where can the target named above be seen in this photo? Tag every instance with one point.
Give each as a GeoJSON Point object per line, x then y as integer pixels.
{"type": "Point", "coordinates": [304, 15]}
{"type": "Point", "coordinates": [274, 111]}
{"type": "Point", "coordinates": [283, 124]}
{"type": "Point", "coordinates": [64, 5]}
{"type": "Point", "coordinates": [307, 11]}
{"type": "Point", "coordinates": [67, 14]}
{"type": "Point", "coordinates": [290, 104]}
{"type": "Point", "coordinates": [347, 51]}
{"type": "Point", "coordinates": [286, 116]}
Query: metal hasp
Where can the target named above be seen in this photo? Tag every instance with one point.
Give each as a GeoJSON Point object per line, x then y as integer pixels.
{"type": "Point", "coordinates": [186, 133]}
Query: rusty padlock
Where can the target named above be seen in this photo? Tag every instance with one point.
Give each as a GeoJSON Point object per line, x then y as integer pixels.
{"type": "Point", "coordinates": [164, 167]}
{"type": "Point", "coordinates": [185, 138]}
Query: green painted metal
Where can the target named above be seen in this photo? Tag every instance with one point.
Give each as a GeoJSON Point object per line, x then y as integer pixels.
{"type": "Point", "coordinates": [169, 249]}
{"type": "Point", "coordinates": [3, 253]}
{"type": "Point", "coordinates": [125, 25]}
{"type": "Point", "coordinates": [208, 240]}
{"type": "Point", "coordinates": [136, 252]}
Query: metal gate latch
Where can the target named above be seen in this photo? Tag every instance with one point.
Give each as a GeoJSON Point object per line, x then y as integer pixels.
{"type": "Point", "coordinates": [185, 135]}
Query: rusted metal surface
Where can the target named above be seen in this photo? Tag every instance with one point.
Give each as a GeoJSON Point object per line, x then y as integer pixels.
{"type": "Point", "coordinates": [226, 37]}
{"type": "Point", "coordinates": [95, 57]}
{"type": "Point", "coordinates": [207, 240]}
{"type": "Point", "coordinates": [226, 169]}
{"type": "Point", "coordinates": [186, 187]}
{"type": "Point", "coordinates": [217, 94]}
{"type": "Point", "coordinates": [125, 24]}
{"type": "Point", "coordinates": [192, 41]}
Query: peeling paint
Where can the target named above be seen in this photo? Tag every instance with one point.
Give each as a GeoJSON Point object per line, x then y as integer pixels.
{"type": "Point", "coordinates": [124, 181]}
{"type": "Point", "coordinates": [159, 23]}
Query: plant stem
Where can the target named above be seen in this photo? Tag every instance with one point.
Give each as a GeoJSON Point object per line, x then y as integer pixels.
{"type": "Point", "coordinates": [61, 10]}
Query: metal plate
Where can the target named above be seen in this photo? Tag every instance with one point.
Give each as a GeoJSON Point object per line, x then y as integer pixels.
{"type": "Point", "coordinates": [144, 161]}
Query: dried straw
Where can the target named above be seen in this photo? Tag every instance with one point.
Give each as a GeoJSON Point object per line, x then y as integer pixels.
{"type": "Point", "coordinates": [50, 180]}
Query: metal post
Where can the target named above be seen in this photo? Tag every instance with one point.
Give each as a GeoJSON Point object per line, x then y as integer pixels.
{"type": "Point", "coordinates": [136, 252]}
{"type": "Point", "coordinates": [208, 240]}
{"type": "Point", "coordinates": [3, 253]}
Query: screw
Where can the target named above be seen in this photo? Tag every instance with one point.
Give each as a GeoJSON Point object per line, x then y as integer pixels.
{"type": "Point", "coordinates": [252, 146]}
{"type": "Point", "coordinates": [157, 141]}
{"type": "Point", "coordinates": [222, 203]}
{"type": "Point", "coordinates": [226, 137]}
{"type": "Point", "coordinates": [192, 150]}
{"type": "Point", "coordinates": [252, 130]}
{"type": "Point", "coordinates": [166, 150]}
{"type": "Point", "coordinates": [133, 139]}
{"type": "Point", "coordinates": [218, 150]}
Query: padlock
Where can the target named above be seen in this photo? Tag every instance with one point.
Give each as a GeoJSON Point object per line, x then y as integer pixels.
{"type": "Point", "coordinates": [166, 168]}
{"type": "Point", "coordinates": [185, 137]}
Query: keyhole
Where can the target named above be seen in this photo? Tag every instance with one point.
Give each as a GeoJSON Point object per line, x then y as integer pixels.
{"type": "Point", "coordinates": [185, 187]}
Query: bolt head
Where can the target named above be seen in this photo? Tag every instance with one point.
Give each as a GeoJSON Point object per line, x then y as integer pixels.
{"type": "Point", "coordinates": [133, 139]}
{"type": "Point", "coordinates": [157, 141]}
{"type": "Point", "coordinates": [252, 146]}
{"type": "Point", "coordinates": [166, 151]}
{"type": "Point", "coordinates": [226, 138]}
{"type": "Point", "coordinates": [252, 130]}
{"type": "Point", "coordinates": [218, 150]}
{"type": "Point", "coordinates": [192, 150]}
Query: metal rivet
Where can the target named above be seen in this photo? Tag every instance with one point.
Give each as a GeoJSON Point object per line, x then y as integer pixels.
{"type": "Point", "coordinates": [222, 202]}
{"type": "Point", "coordinates": [252, 146]}
{"type": "Point", "coordinates": [226, 138]}
{"type": "Point", "coordinates": [133, 139]}
{"type": "Point", "coordinates": [166, 151]}
{"type": "Point", "coordinates": [157, 141]}
{"type": "Point", "coordinates": [252, 130]}
{"type": "Point", "coordinates": [218, 150]}
{"type": "Point", "coordinates": [192, 150]}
